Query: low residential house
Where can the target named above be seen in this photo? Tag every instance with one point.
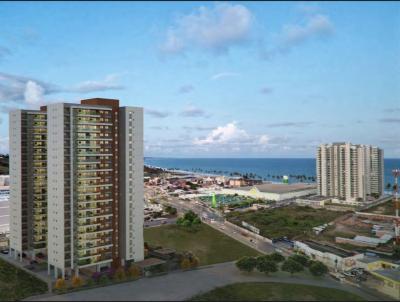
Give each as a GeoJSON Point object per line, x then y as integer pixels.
{"type": "Point", "coordinates": [334, 258]}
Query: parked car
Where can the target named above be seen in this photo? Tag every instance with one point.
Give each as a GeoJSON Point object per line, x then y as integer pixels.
{"type": "Point", "coordinates": [5, 251]}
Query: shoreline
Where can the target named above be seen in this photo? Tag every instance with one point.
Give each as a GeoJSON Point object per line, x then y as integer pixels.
{"type": "Point", "coordinates": [218, 175]}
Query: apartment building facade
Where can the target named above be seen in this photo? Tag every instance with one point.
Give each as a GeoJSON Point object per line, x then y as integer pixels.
{"type": "Point", "coordinates": [94, 185]}
{"type": "Point", "coordinates": [28, 181]}
{"type": "Point", "coordinates": [350, 172]}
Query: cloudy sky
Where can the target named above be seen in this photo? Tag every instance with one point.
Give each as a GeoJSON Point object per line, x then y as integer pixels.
{"type": "Point", "coordinates": [216, 79]}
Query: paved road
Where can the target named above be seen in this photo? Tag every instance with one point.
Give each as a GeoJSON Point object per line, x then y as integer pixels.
{"type": "Point", "coordinates": [218, 222]}
{"type": "Point", "coordinates": [181, 286]}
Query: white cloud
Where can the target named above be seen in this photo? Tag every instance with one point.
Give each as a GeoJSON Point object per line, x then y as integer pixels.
{"type": "Point", "coordinates": [224, 75]}
{"type": "Point", "coordinates": [92, 86]}
{"type": "Point", "coordinates": [216, 29]}
{"type": "Point", "coordinates": [157, 113]}
{"type": "Point", "coordinates": [186, 89]}
{"type": "Point", "coordinates": [33, 94]}
{"type": "Point", "coordinates": [264, 139]}
{"type": "Point", "coordinates": [192, 111]}
{"type": "Point", "coordinates": [223, 134]}
{"type": "Point", "coordinates": [292, 35]}
{"type": "Point", "coordinates": [317, 26]}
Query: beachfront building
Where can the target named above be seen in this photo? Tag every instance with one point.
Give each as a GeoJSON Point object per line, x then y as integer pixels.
{"type": "Point", "coordinates": [272, 191]}
{"type": "Point", "coordinates": [350, 172]}
{"type": "Point", "coordinates": [94, 187]}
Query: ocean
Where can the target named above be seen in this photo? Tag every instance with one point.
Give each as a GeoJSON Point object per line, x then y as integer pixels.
{"type": "Point", "coordinates": [265, 168]}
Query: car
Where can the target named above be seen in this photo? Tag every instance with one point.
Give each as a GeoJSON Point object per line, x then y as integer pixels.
{"type": "Point", "coordinates": [164, 222]}
{"type": "Point", "coordinates": [4, 252]}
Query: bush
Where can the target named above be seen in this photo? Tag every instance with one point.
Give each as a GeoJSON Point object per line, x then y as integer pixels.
{"type": "Point", "coordinates": [185, 263]}
{"type": "Point", "coordinates": [76, 281]}
{"type": "Point", "coordinates": [120, 274]}
{"type": "Point", "coordinates": [246, 264]}
{"type": "Point", "coordinates": [134, 271]}
{"type": "Point", "coordinates": [89, 282]}
{"type": "Point", "coordinates": [194, 262]}
{"type": "Point", "coordinates": [303, 260]}
{"type": "Point", "coordinates": [103, 279]}
{"type": "Point", "coordinates": [96, 276]}
{"type": "Point", "coordinates": [60, 284]}
{"type": "Point", "coordinates": [317, 268]}
{"type": "Point", "coordinates": [292, 266]}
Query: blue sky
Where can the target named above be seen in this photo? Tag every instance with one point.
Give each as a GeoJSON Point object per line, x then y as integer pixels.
{"type": "Point", "coordinates": [216, 79]}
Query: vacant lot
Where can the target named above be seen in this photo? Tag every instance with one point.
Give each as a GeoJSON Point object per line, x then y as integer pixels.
{"type": "Point", "coordinates": [209, 245]}
{"type": "Point", "coordinates": [291, 221]}
{"type": "Point", "coordinates": [15, 284]}
{"type": "Point", "coordinates": [386, 208]}
{"type": "Point", "coordinates": [260, 291]}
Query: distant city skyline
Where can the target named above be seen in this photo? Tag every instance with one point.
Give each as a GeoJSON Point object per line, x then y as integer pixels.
{"type": "Point", "coordinates": [216, 79]}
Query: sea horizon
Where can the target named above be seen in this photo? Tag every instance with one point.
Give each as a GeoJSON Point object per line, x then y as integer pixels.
{"type": "Point", "coordinates": [267, 169]}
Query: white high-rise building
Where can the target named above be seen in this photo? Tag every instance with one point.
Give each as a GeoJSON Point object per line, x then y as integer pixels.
{"type": "Point", "coordinates": [91, 204]}
{"type": "Point", "coordinates": [350, 172]}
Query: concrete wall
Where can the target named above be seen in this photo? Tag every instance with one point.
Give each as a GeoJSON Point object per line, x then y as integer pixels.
{"type": "Point", "coordinates": [55, 186]}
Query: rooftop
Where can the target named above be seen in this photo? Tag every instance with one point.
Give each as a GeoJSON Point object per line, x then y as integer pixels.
{"type": "Point", "coordinates": [280, 188]}
{"type": "Point", "coordinates": [149, 262]}
{"type": "Point", "coordinates": [393, 274]}
{"type": "Point", "coordinates": [328, 249]}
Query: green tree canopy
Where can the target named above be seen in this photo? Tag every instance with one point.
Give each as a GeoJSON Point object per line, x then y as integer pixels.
{"type": "Point", "coordinates": [266, 265]}
{"type": "Point", "coordinates": [303, 260]}
{"type": "Point", "coordinates": [246, 264]}
{"type": "Point", "coordinates": [292, 266]}
{"type": "Point", "coordinates": [317, 268]}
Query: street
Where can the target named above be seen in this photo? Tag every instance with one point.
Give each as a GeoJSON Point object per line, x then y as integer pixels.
{"type": "Point", "coordinates": [216, 221]}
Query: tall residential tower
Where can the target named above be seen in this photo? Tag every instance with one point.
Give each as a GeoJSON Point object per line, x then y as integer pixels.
{"type": "Point", "coordinates": [94, 185]}
{"type": "Point", "coordinates": [350, 172]}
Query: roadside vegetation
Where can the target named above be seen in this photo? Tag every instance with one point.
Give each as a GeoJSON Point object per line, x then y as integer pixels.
{"type": "Point", "coordinates": [291, 221]}
{"type": "Point", "coordinates": [209, 245]}
{"type": "Point", "coordinates": [274, 262]}
{"type": "Point", "coordinates": [264, 291]}
{"type": "Point", "coordinates": [16, 284]}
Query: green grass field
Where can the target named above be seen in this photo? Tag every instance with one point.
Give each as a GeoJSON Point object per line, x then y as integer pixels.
{"type": "Point", "coordinates": [386, 208]}
{"type": "Point", "coordinates": [290, 221]}
{"type": "Point", "coordinates": [15, 284]}
{"type": "Point", "coordinates": [258, 291]}
{"type": "Point", "coordinates": [209, 245]}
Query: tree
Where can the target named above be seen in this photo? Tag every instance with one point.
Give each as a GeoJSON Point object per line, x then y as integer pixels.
{"type": "Point", "coordinates": [185, 263]}
{"type": "Point", "coordinates": [266, 265]}
{"type": "Point", "coordinates": [246, 264]}
{"type": "Point", "coordinates": [60, 284]}
{"type": "Point", "coordinates": [292, 266]}
{"type": "Point", "coordinates": [276, 257]}
{"type": "Point", "coordinates": [388, 186]}
{"type": "Point", "coordinates": [76, 281]}
{"type": "Point", "coordinates": [396, 252]}
{"type": "Point", "coordinates": [134, 271]}
{"type": "Point", "coordinates": [317, 268]}
{"type": "Point", "coordinates": [303, 260]}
